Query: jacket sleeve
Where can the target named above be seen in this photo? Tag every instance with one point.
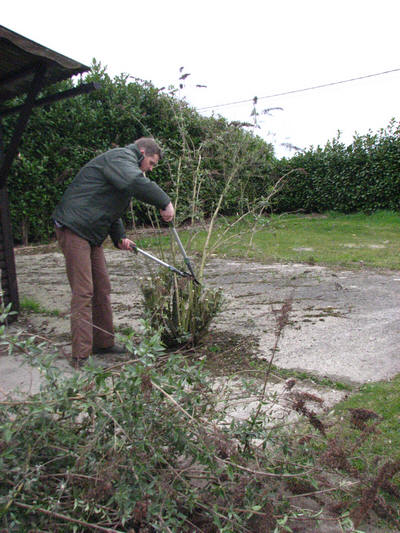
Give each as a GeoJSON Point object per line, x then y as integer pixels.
{"type": "Point", "coordinates": [123, 172]}
{"type": "Point", "coordinates": [117, 232]}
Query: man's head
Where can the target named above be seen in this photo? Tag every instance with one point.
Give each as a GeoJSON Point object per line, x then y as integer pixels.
{"type": "Point", "coordinates": [151, 153]}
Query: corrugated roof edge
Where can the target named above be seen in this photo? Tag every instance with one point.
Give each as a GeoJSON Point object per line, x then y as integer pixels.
{"type": "Point", "coordinates": [39, 50]}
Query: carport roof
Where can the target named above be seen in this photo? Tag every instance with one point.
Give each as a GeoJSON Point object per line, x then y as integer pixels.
{"type": "Point", "coordinates": [26, 68]}
{"type": "Point", "coordinates": [19, 60]}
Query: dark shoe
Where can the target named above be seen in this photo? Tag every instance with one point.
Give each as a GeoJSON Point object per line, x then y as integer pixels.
{"type": "Point", "coordinates": [116, 350]}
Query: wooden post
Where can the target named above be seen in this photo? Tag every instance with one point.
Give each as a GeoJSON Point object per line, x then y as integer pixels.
{"type": "Point", "coordinates": [7, 261]}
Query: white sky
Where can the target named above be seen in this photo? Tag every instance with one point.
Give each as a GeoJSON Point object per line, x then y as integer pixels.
{"type": "Point", "coordinates": [240, 49]}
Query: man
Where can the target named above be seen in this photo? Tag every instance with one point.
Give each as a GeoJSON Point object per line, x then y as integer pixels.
{"type": "Point", "coordinates": [90, 209]}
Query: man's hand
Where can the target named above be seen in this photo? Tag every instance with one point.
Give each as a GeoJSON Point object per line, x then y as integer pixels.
{"type": "Point", "coordinates": [168, 213]}
{"type": "Point", "coordinates": [126, 244]}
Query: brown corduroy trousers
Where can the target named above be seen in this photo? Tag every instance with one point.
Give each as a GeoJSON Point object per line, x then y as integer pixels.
{"type": "Point", "coordinates": [91, 313]}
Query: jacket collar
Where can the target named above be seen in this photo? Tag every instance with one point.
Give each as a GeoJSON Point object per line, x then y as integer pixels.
{"type": "Point", "coordinates": [136, 151]}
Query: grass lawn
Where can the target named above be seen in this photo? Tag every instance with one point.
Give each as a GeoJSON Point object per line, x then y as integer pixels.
{"type": "Point", "coordinates": [383, 398]}
{"type": "Point", "coordinates": [331, 239]}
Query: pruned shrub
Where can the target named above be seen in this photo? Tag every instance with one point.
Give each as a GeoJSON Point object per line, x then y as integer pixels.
{"type": "Point", "coordinates": [179, 308]}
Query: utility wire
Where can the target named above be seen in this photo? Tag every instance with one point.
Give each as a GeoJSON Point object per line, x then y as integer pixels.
{"type": "Point", "coordinates": [300, 90]}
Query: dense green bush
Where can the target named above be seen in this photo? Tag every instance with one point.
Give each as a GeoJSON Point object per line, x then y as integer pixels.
{"type": "Point", "coordinates": [202, 156]}
{"type": "Point", "coordinates": [62, 137]}
{"type": "Point", "coordinates": [364, 176]}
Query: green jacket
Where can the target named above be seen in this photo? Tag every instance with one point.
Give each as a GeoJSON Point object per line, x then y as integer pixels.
{"type": "Point", "coordinates": [100, 193]}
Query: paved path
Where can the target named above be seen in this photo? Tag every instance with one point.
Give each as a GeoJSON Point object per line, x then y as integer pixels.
{"type": "Point", "coordinates": [344, 325]}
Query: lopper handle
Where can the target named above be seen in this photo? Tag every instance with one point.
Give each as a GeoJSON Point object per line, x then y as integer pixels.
{"type": "Point", "coordinates": [183, 252]}
{"type": "Point", "coordinates": [162, 263]}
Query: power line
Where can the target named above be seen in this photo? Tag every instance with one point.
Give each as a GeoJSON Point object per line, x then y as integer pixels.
{"type": "Point", "coordinates": [301, 90]}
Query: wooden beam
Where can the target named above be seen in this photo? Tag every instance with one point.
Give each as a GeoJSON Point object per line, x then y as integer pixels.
{"type": "Point", "coordinates": [80, 89]}
{"type": "Point", "coordinates": [9, 275]}
{"type": "Point", "coordinates": [9, 279]}
{"type": "Point", "coordinates": [18, 74]}
{"type": "Point", "coordinates": [23, 118]}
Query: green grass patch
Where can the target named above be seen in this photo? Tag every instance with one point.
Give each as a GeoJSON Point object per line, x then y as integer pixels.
{"type": "Point", "coordinates": [333, 239]}
{"type": "Point", "coordinates": [382, 398]}
{"type": "Point", "coordinates": [32, 306]}
{"type": "Point", "coordinates": [307, 376]}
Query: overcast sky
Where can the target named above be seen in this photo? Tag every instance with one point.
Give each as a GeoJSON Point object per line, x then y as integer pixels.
{"type": "Point", "coordinates": [241, 49]}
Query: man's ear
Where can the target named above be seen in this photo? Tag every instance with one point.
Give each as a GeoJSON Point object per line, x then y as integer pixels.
{"type": "Point", "coordinates": [142, 151]}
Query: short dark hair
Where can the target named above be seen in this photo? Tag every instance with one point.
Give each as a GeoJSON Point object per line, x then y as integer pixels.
{"type": "Point", "coordinates": [149, 145]}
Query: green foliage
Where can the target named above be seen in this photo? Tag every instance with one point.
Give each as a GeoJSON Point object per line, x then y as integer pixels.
{"type": "Point", "coordinates": [181, 310]}
{"type": "Point", "coordinates": [364, 176]}
{"type": "Point", "coordinates": [60, 138]}
{"type": "Point", "coordinates": [121, 450]}
{"type": "Point", "coordinates": [147, 445]}
{"type": "Point", "coordinates": [31, 305]}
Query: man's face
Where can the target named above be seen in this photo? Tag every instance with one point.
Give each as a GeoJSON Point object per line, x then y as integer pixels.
{"type": "Point", "coordinates": [148, 162]}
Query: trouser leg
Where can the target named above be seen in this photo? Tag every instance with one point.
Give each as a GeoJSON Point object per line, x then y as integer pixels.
{"type": "Point", "coordinates": [77, 253]}
{"type": "Point", "coordinates": [103, 330]}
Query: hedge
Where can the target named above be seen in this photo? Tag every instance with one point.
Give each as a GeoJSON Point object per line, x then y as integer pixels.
{"type": "Point", "coordinates": [60, 138]}
{"type": "Point", "coordinates": [364, 176]}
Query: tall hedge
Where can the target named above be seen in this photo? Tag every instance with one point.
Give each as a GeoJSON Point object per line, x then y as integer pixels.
{"type": "Point", "coordinates": [60, 138]}
{"type": "Point", "coordinates": [198, 150]}
{"type": "Point", "coordinates": [364, 176]}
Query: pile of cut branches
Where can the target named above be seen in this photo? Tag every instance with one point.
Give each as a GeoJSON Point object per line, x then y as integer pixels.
{"type": "Point", "coordinates": [145, 446]}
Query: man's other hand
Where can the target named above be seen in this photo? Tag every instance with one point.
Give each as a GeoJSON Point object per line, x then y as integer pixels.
{"type": "Point", "coordinates": [168, 213]}
{"type": "Point", "coordinates": [126, 244]}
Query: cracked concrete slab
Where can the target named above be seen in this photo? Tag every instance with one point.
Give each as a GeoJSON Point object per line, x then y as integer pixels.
{"type": "Point", "coordinates": [344, 325]}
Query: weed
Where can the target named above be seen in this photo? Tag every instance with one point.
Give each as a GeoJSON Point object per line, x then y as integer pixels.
{"type": "Point", "coordinates": [368, 497]}
{"type": "Point", "coordinates": [31, 305]}
{"type": "Point", "coordinates": [380, 401]}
